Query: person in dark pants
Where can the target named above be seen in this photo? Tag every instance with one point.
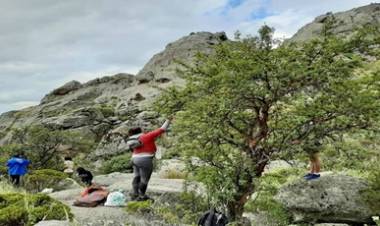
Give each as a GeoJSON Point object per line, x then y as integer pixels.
{"type": "Point", "coordinates": [142, 159]}
{"type": "Point", "coordinates": [85, 176]}
{"type": "Point", "coordinates": [17, 167]}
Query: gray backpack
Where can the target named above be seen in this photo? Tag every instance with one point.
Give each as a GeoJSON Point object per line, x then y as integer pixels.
{"type": "Point", "coordinates": [133, 142]}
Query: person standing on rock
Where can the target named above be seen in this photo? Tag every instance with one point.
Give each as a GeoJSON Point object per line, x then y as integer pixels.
{"type": "Point", "coordinates": [17, 167]}
{"type": "Point", "coordinates": [142, 158]}
{"type": "Point", "coordinates": [313, 148]}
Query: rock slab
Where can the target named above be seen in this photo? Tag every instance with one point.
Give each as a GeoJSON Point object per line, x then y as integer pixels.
{"type": "Point", "coordinates": [331, 199]}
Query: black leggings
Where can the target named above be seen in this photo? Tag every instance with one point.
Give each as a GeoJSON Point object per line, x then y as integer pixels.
{"type": "Point", "coordinates": [15, 179]}
{"type": "Point", "coordinates": [142, 169]}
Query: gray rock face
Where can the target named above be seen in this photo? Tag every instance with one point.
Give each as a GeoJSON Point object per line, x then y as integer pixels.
{"type": "Point", "coordinates": [162, 68]}
{"type": "Point", "coordinates": [346, 22]}
{"type": "Point", "coordinates": [63, 90]}
{"type": "Point", "coordinates": [330, 199]}
{"type": "Point", "coordinates": [111, 103]}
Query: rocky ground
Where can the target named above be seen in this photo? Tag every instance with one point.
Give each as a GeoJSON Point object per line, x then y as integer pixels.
{"type": "Point", "coordinates": [115, 216]}
{"type": "Point", "coordinates": [333, 200]}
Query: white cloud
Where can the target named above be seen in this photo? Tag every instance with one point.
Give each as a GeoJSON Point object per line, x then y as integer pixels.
{"type": "Point", "coordinates": [46, 43]}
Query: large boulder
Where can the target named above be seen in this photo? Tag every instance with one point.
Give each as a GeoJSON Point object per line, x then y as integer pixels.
{"type": "Point", "coordinates": [330, 199]}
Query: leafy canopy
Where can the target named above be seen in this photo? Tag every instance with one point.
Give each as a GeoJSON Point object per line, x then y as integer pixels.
{"type": "Point", "coordinates": [249, 103]}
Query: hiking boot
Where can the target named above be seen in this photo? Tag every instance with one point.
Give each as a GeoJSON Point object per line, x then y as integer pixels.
{"type": "Point", "coordinates": [134, 197]}
{"type": "Point", "coordinates": [144, 198]}
{"type": "Point", "coordinates": [308, 175]}
{"type": "Point", "coordinates": [313, 177]}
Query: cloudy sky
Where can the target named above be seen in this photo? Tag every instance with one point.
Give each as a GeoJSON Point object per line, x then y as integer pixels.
{"type": "Point", "coordinates": [46, 43]}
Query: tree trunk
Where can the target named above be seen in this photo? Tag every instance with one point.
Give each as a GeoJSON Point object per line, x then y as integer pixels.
{"type": "Point", "coordinates": [235, 211]}
{"type": "Point", "coordinates": [236, 207]}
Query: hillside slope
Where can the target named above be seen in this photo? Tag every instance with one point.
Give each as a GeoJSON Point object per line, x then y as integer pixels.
{"type": "Point", "coordinates": [346, 22]}
{"type": "Point", "coordinates": [98, 106]}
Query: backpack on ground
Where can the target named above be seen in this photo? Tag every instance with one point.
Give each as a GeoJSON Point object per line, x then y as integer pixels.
{"type": "Point", "coordinates": [115, 199]}
{"type": "Point", "coordinates": [91, 197]}
{"type": "Point", "coordinates": [213, 218]}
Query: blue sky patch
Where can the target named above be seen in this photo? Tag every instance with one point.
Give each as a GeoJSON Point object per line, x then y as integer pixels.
{"type": "Point", "coordinates": [234, 3]}
{"type": "Point", "coordinates": [259, 14]}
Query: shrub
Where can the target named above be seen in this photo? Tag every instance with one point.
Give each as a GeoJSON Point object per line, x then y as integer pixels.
{"type": "Point", "coordinates": [121, 163]}
{"type": "Point", "coordinates": [45, 178]}
{"type": "Point", "coordinates": [186, 207]}
{"type": "Point", "coordinates": [267, 188]}
{"type": "Point", "coordinates": [107, 111]}
{"type": "Point", "coordinates": [139, 207]}
{"type": "Point", "coordinates": [18, 209]}
{"type": "Point", "coordinates": [173, 209]}
{"type": "Point", "coordinates": [6, 188]}
{"type": "Point", "coordinates": [372, 194]}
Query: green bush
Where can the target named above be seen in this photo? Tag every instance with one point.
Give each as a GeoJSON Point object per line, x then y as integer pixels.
{"type": "Point", "coordinates": [267, 188]}
{"type": "Point", "coordinates": [45, 178]}
{"type": "Point", "coordinates": [372, 194]}
{"type": "Point", "coordinates": [121, 163]}
{"type": "Point", "coordinates": [173, 209]}
{"type": "Point", "coordinates": [18, 209]}
{"type": "Point", "coordinates": [139, 207]}
{"type": "Point", "coordinates": [106, 110]}
{"type": "Point", "coordinates": [186, 207]}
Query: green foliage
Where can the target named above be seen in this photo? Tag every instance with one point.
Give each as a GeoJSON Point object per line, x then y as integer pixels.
{"type": "Point", "coordinates": [267, 188]}
{"type": "Point", "coordinates": [372, 195]}
{"type": "Point", "coordinates": [106, 110]}
{"type": "Point", "coordinates": [44, 178]}
{"type": "Point", "coordinates": [173, 209]}
{"type": "Point", "coordinates": [139, 207]}
{"type": "Point", "coordinates": [121, 163]}
{"type": "Point", "coordinates": [42, 145]}
{"type": "Point", "coordinates": [186, 207]}
{"type": "Point", "coordinates": [249, 103]}
{"type": "Point", "coordinates": [6, 187]}
{"type": "Point", "coordinates": [25, 209]}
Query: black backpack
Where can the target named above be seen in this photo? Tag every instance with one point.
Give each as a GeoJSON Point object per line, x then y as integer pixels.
{"type": "Point", "coordinates": [213, 218]}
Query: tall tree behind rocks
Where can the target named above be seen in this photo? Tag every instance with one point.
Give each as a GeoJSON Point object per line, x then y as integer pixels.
{"type": "Point", "coordinates": [250, 103]}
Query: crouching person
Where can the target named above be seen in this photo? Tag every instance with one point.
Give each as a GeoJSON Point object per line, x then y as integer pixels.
{"type": "Point", "coordinates": [142, 159]}
{"type": "Point", "coordinates": [85, 176]}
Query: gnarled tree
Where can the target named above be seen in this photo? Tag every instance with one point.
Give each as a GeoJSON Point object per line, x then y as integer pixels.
{"type": "Point", "coordinates": [250, 102]}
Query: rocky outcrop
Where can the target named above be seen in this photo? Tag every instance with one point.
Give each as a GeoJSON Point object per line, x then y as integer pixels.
{"type": "Point", "coordinates": [330, 199]}
{"type": "Point", "coordinates": [110, 104]}
{"type": "Point", "coordinates": [346, 22]}
{"type": "Point", "coordinates": [162, 68]}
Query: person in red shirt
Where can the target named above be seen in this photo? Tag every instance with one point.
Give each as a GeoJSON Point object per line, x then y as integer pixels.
{"type": "Point", "coordinates": [142, 159]}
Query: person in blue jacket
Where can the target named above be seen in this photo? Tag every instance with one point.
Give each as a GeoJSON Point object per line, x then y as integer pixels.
{"type": "Point", "coordinates": [17, 167]}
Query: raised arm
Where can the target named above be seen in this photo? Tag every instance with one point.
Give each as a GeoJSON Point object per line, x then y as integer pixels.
{"type": "Point", "coordinates": [155, 133]}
